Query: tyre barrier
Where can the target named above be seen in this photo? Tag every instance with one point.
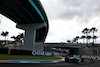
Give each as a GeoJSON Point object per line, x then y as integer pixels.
{"type": "Point", "coordinates": [91, 57]}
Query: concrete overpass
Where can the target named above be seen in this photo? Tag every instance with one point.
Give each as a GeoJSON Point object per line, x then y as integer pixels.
{"type": "Point", "coordinates": [29, 16]}
{"type": "Point", "coordinates": [66, 45]}
{"type": "Point", "coordinates": [74, 48]}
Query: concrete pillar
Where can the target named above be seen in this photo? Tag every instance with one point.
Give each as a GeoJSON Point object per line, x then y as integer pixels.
{"type": "Point", "coordinates": [97, 51]}
{"type": "Point", "coordinates": [29, 40]}
{"type": "Point", "coordinates": [30, 34]}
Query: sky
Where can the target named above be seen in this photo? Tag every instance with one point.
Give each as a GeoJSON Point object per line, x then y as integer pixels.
{"type": "Point", "coordinates": [10, 26]}
{"type": "Point", "coordinates": [67, 19]}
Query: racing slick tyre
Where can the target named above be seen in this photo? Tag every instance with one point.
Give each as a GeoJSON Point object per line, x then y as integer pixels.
{"type": "Point", "coordinates": [82, 60]}
{"type": "Point", "coordinates": [66, 60]}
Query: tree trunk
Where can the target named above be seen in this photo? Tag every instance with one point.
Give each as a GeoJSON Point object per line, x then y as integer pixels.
{"type": "Point", "coordinates": [89, 40]}
{"type": "Point", "coordinates": [5, 42]}
{"type": "Point", "coordinates": [93, 38]}
{"type": "Point", "coordinates": [86, 40]}
{"type": "Point", "coordinates": [95, 41]}
{"type": "Point", "coordinates": [83, 40]}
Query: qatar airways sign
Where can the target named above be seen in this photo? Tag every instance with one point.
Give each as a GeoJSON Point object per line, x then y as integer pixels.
{"type": "Point", "coordinates": [42, 53]}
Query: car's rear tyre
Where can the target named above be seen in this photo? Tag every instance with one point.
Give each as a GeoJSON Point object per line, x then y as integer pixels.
{"type": "Point", "coordinates": [66, 60]}
{"type": "Point", "coordinates": [82, 60]}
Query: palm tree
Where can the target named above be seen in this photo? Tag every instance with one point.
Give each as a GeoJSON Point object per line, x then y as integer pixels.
{"type": "Point", "coordinates": [5, 35]}
{"type": "Point", "coordinates": [83, 37]}
{"type": "Point", "coordinates": [74, 40]}
{"type": "Point", "coordinates": [86, 31]}
{"type": "Point", "coordinates": [88, 37]}
{"type": "Point", "coordinates": [77, 38]}
{"type": "Point", "coordinates": [21, 38]}
{"type": "Point", "coordinates": [93, 30]}
{"type": "Point", "coordinates": [95, 37]}
{"type": "Point", "coordinates": [18, 38]}
{"type": "Point", "coordinates": [68, 41]}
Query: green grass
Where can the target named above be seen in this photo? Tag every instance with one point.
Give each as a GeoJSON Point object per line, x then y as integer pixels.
{"type": "Point", "coordinates": [25, 57]}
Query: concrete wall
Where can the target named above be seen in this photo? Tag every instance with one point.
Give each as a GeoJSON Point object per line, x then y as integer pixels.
{"type": "Point", "coordinates": [39, 46]}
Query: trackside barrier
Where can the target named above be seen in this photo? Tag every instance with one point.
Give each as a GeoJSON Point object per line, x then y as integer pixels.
{"type": "Point", "coordinates": [91, 57]}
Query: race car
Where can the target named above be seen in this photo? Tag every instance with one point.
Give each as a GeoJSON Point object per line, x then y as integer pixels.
{"type": "Point", "coordinates": [74, 58]}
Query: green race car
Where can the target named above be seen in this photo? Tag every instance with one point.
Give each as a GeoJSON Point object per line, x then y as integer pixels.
{"type": "Point", "coordinates": [74, 58]}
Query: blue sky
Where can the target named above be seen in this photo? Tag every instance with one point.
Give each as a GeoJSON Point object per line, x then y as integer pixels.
{"type": "Point", "coordinates": [67, 18]}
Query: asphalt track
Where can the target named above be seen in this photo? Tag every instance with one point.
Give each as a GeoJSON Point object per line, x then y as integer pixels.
{"type": "Point", "coordinates": [87, 63]}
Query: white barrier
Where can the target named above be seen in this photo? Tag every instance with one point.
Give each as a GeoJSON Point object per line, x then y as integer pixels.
{"type": "Point", "coordinates": [91, 57]}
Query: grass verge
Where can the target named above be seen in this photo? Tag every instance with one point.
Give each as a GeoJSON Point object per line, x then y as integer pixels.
{"type": "Point", "coordinates": [26, 57]}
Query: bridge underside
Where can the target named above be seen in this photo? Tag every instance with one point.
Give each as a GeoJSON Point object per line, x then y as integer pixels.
{"type": "Point", "coordinates": [27, 12]}
{"type": "Point", "coordinates": [20, 11]}
{"type": "Point", "coordinates": [23, 12]}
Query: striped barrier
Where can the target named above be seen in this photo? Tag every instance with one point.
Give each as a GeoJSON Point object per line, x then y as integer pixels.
{"type": "Point", "coordinates": [7, 61]}
{"type": "Point", "coordinates": [91, 57]}
{"type": "Point", "coordinates": [27, 61]}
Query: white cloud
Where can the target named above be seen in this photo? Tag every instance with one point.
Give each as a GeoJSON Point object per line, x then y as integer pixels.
{"type": "Point", "coordinates": [10, 26]}
{"type": "Point", "coordinates": [67, 18]}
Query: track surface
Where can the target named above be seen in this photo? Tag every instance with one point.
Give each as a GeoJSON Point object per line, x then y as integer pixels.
{"type": "Point", "coordinates": [87, 63]}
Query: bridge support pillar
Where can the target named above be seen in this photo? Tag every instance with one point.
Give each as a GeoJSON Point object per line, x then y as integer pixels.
{"type": "Point", "coordinates": [29, 40]}
{"type": "Point", "coordinates": [30, 34]}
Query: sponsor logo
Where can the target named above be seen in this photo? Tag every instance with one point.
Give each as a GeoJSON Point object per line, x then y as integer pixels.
{"type": "Point", "coordinates": [42, 53]}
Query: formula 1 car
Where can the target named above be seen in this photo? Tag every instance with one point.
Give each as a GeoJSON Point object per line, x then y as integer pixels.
{"type": "Point", "coordinates": [74, 58]}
